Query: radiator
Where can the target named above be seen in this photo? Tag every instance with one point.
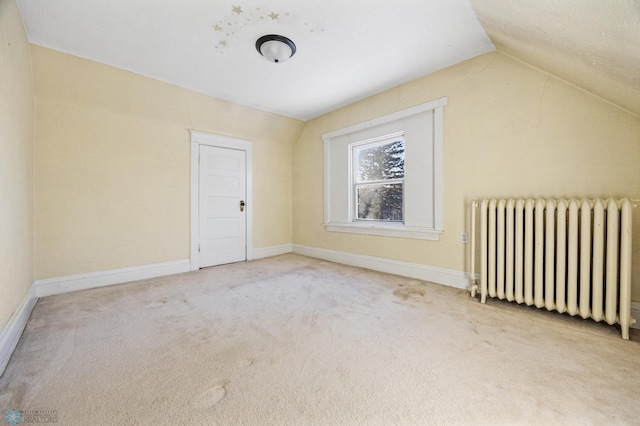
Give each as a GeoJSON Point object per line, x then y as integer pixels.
{"type": "Point", "coordinates": [571, 256]}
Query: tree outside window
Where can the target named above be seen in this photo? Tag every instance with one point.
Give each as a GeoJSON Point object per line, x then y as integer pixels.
{"type": "Point", "coordinates": [379, 180]}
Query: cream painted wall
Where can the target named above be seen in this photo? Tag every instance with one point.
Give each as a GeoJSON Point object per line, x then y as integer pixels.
{"type": "Point", "coordinates": [509, 130]}
{"type": "Point", "coordinates": [16, 160]}
{"type": "Point", "coordinates": [112, 166]}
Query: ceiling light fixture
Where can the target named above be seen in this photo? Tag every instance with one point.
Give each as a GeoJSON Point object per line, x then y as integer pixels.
{"type": "Point", "coordinates": [275, 48]}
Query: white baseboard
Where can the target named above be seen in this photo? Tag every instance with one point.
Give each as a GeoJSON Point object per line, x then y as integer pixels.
{"type": "Point", "coordinates": [635, 313]}
{"type": "Point", "coordinates": [11, 333]}
{"type": "Point", "coordinates": [448, 277]}
{"type": "Point", "coordinates": [59, 285]}
{"type": "Point", "coordinates": [262, 252]}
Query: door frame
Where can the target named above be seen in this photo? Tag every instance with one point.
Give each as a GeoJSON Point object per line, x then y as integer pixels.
{"type": "Point", "coordinates": [199, 138]}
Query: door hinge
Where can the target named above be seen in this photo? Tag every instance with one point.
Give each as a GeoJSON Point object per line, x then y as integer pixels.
{"type": "Point", "coordinates": [198, 248]}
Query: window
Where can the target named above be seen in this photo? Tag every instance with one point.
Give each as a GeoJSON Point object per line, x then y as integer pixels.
{"type": "Point", "coordinates": [384, 176]}
{"type": "Point", "coordinates": [378, 179]}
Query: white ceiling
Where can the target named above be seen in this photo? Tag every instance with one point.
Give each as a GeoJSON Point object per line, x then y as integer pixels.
{"type": "Point", "coordinates": [594, 44]}
{"type": "Point", "coordinates": [347, 50]}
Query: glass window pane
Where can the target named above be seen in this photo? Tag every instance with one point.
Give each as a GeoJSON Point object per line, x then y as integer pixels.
{"type": "Point", "coordinates": [380, 202]}
{"type": "Point", "coordinates": [381, 162]}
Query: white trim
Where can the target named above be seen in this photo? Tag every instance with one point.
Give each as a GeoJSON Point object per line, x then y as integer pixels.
{"type": "Point", "coordinates": [438, 167]}
{"type": "Point", "coordinates": [349, 224]}
{"type": "Point", "coordinates": [379, 140]}
{"type": "Point", "coordinates": [13, 329]}
{"type": "Point", "coordinates": [59, 285]}
{"type": "Point", "coordinates": [201, 138]}
{"type": "Point", "coordinates": [387, 118]}
{"type": "Point", "coordinates": [194, 206]}
{"type": "Point", "coordinates": [448, 277]}
{"type": "Point", "coordinates": [635, 313]}
{"type": "Point", "coordinates": [327, 180]}
{"type": "Point", "coordinates": [377, 228]}
{"type": "Point", "coordinates": [262, 252]}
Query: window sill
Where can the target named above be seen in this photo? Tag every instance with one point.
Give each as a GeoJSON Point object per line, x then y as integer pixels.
{"type": "Point", "coordinates": [389, 230]}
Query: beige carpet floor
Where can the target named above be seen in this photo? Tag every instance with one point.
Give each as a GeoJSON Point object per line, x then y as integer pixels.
{"type": "Point", "coordinates": [297, 341]}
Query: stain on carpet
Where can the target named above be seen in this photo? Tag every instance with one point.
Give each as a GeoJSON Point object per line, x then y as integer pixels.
{"type": "Point", "coordinates": [409, 292]}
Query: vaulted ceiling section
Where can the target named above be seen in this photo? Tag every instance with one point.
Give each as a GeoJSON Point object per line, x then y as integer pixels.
{"type": "Point", "coordinates": [594, 44]}
{"type": "Point", "coordinates": [346, 51]}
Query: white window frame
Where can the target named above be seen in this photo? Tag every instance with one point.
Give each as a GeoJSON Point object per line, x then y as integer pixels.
{"type": "Point", "coordinates": [384, 228]}
{"type": "Point", "coordinates": [353, 172]}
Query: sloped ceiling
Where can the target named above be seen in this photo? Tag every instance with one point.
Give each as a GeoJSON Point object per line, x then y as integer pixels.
{"type": "Point", "coordinates": [346, 50]}
{"type": "Point", "coordinates": [594, 44]}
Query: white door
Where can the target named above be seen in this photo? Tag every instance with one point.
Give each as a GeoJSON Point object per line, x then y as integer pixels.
{"type": "Point", "coordinates": [222, 210]}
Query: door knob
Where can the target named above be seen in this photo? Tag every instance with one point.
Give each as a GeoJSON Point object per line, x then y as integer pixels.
{"type": "Point", "coordinates": [242, 205]}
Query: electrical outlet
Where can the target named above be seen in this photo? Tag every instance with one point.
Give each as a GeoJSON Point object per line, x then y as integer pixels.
{"type": "Point", "coordinates": [464, 237]}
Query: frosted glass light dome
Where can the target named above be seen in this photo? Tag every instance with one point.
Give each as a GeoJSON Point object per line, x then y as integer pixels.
{"type": "Point", "coordinates": [275, 48]}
